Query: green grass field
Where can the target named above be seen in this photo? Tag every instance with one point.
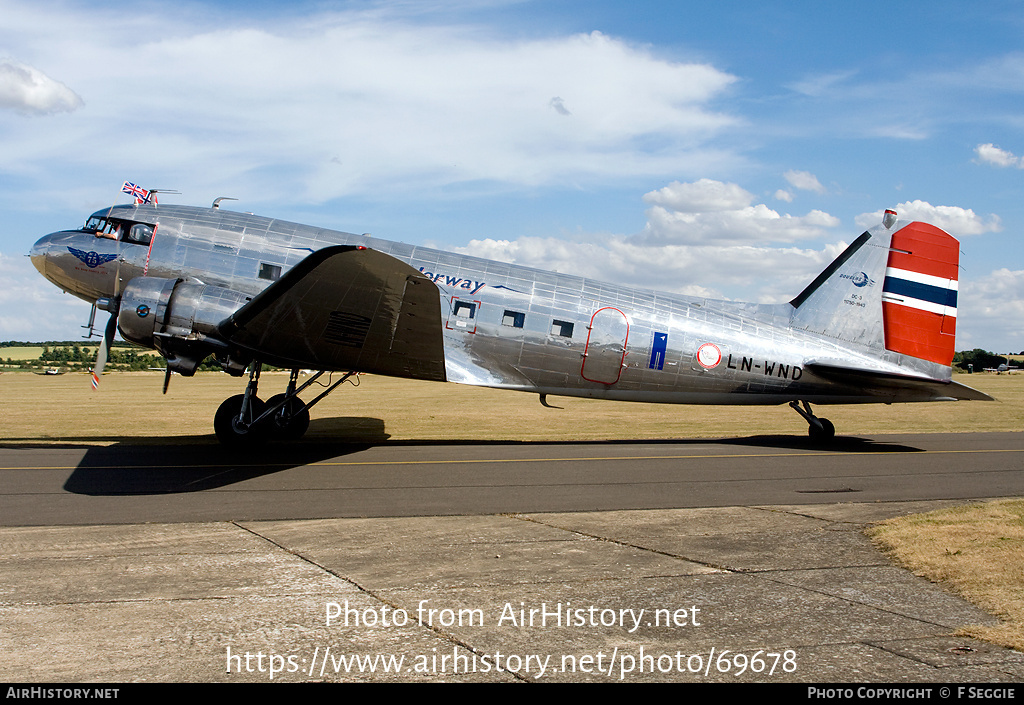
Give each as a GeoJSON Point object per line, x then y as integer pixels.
{"type": "Point", "coordinates": [129, 405]}
{"type": "Point", "coordinates": [21, 354]}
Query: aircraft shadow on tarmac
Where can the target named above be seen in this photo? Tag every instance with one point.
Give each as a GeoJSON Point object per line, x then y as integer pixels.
{"type": "Point", "coordinates": [181, 464]}
{"type": "Point", "coordinates": [172, 465]}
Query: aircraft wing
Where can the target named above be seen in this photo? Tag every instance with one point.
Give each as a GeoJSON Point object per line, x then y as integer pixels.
{"type": "Point", "coordinates": [866, 376]}
{"type": "Point", "coordinates": [346, 308]}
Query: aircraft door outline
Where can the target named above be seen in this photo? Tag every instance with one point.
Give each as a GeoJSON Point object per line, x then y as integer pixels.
{"type": "Point", "coordinates": [605, 353]}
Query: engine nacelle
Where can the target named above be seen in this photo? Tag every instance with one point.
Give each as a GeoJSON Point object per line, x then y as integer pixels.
{"type": "Point", "coordinates": [176, 317]}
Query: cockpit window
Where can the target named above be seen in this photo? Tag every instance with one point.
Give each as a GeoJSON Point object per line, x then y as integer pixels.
{"type": "Point", "coordinates": [104, 228]}
{"type": "Point", "coordinates": [140, 234]}
{"type": "Point", "coordinates": [115, 229]}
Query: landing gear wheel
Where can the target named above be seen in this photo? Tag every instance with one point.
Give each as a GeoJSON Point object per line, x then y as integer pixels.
{"type": "Point", "coordinates": [234, 431]}
{"type": "Point", "coordinates": [291, 420]}
{"type": "Point", "coordinates": [824, 434]}
{"type": "Point", "coordinates": [819, 429]}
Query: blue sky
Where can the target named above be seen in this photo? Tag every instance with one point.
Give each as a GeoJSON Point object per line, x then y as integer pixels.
{"type": "Point", "coordinates": [721, 149]}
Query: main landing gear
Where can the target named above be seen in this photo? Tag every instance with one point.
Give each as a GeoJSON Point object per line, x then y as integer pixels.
{"type": "Point", "coordinates": [819, 429]}
{"type": "Point", "coordinates": [245, 419]}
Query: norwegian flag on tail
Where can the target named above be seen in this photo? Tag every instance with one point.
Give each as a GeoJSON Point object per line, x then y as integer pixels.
{"type": "Point", "coordinates": [920, 292]}
{"type": "Point", "coordinates": [140, 194]}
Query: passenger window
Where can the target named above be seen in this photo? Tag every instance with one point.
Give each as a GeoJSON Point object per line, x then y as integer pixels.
{"type": "Point", "coordinates": [140, 234]}
{"type": "Point", "coordinates": [562, 328]}
{"type": "Point", "coordinates": [465, 309]}
{"type": "Point", "coordinates": [463, 315]}
{"type": "Point", "coordinates": [514, 319]}
{"type": "Point", "coordinates": [270, 271]}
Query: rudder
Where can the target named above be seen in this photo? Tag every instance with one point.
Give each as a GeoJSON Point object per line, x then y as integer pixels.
{"type": "Point", "coordinates": [919, 294]}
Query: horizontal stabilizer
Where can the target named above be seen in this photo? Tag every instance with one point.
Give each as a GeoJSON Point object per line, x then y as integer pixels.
{"type": "Point", "coordinates": [868, 376]}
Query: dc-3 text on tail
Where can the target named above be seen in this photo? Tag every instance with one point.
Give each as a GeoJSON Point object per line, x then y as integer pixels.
{"type": "Point", "coordinates": [878, 325]}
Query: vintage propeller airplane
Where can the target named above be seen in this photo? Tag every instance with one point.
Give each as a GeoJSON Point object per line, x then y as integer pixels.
{"type": "Point", "coordinates": [877, 325]}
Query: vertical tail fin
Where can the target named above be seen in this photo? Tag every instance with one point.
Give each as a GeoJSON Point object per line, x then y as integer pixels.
{"type": "Point", "coordinates": [893, 290]}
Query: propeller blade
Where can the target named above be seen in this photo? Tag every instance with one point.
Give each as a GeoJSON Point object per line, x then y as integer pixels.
{"type": "Point", "coordinates": [101, 354]}
{"type": "Point", "coordinates": [167, 378]}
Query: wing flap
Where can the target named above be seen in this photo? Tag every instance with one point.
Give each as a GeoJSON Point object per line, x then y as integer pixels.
{"type": "Point", "coordinates": [346, 308]}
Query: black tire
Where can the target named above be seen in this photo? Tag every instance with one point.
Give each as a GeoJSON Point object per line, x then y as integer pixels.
{"type": "Point", "coordinates": [229, 428]}
{"type": "Point", "coordinates": [825, 434]}
{"type": "Point", "coordinates": [291, 420]}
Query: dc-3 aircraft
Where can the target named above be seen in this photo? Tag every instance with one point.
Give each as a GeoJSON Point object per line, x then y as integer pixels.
{"type": "Point", "coordinates": [877, 325]}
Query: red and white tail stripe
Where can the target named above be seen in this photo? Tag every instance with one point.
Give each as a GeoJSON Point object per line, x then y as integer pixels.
{"type": "Point", "coordinates": [919, 295]}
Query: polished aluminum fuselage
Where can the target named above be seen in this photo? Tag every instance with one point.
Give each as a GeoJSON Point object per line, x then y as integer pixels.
{"type": "Point", "coordinates": [505, 325]}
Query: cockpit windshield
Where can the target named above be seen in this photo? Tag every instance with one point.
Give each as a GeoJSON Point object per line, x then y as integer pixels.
{"type": "Point", "coordinates": [117, 229]}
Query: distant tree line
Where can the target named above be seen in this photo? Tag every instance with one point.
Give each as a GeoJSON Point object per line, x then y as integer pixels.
{"type": "Point", "coordinates": [980, 360]}
{"type": "Point", "coordinates": [121, 356]}
{"type": "Point", "coordinates": [64, 344]}
{"type": "Point", "coordinates": [117, 359]}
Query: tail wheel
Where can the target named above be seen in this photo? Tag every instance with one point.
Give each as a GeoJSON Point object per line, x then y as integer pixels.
{"type": "Point", "coordinates": [818, 428]}
{"type": "Point", "coordinates": [826, 433]}
{"type": "Point", "coordinates": [291, 420]}
{"type": "Point", "coordinates": [232, 429]}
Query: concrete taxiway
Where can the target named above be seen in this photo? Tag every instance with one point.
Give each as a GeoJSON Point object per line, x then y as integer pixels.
{"type": "Point", "coordinates": [616, 562]}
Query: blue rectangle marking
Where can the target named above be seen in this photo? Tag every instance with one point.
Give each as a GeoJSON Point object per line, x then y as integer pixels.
{"type": "Point", "coordinates": [658, 350]}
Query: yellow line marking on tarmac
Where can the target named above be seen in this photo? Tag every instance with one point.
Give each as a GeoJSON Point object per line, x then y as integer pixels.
{"type": "Point", "coordinates": [483, 461]}
{"type": "Point", "coordinates": [656, 457]}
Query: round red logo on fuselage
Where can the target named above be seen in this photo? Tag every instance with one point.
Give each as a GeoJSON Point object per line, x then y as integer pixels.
{"type": "Point", "coordinates": [708, 356]}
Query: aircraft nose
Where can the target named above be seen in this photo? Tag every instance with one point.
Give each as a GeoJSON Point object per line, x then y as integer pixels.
{"type": "Point", "coordinates": [39, 251]}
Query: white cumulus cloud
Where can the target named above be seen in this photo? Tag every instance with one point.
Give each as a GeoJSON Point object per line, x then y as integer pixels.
{"type": "Point", "coordinates": [706, 212]}
{"type": "Point", "coordinates": [804, 180]}
{"type": "Point", "coordinates": [702, 196]}
{"type": "Point", "coordinates": [991, 309]}
{"type": "Point", "coordinates": [348, 102]}
{"type": "Point", "coordinates": [29, 90]}
{"type": "Point", "coordinates": [743, 272]}
{"type": "Point", "coordinates": [990, 154]}
{"type": "Point", "coordinates": [704, 238]}
{"type": "Point", "coordinates": [957, 221]}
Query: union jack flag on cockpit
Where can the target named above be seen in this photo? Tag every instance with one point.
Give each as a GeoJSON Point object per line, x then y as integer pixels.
{"type": "Point", "coordinates": [140, 194]}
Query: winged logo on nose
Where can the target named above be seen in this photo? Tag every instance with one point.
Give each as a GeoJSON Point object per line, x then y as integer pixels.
{"type": "Point", "coordinates": [91, 259]}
